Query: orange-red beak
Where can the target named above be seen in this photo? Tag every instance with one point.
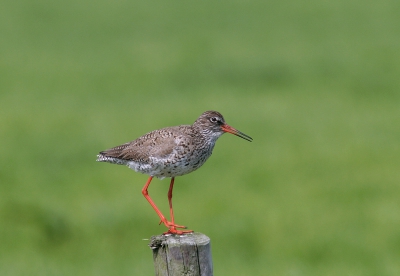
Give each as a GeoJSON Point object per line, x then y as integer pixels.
{"type": "Point", "coordinates": [229, 129]}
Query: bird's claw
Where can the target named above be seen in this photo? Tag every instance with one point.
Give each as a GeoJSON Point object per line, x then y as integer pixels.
{"type": "Point", "coordinates": [173, 231]}
{"type": "Point", "coordinates": [170, 225]}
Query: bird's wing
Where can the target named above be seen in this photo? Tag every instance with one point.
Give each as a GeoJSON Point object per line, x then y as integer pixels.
{"type": "Point", "coordinates": [158, 144]}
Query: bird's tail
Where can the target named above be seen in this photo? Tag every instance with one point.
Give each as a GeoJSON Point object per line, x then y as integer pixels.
{"type": "Point", "coordinates": [113, 160]}
{"type": "Point", "coordinates": [102, 158]}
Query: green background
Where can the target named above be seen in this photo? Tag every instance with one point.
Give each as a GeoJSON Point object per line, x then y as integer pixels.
{"type": "Point", "coordinates": [315, 83]}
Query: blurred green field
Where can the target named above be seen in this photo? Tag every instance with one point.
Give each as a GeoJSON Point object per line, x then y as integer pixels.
{"type": "Point", "coordinates": [315, 83]}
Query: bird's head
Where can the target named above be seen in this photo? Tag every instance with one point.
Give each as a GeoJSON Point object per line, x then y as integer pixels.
{"type": "Point", "coordinates": [212, 123]}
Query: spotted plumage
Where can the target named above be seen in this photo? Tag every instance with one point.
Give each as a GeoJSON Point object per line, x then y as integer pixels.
{"type": "Point", "coordinates": [171, 152]}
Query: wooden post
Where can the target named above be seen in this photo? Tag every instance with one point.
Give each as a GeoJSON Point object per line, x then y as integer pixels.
{"type": "Point", "coordinates": [176, 255]}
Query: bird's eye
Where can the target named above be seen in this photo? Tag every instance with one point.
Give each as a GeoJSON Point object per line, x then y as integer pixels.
{"type": "Point", "coordinates": [214, 119]}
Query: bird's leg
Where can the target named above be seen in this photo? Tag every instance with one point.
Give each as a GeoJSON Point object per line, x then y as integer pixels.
{"type": "Point", "coordinates": [163, 219]}
{"type": "Point", "coordinates": [171, 210]}
{"type": "Point", "coordinates": [172, 230]}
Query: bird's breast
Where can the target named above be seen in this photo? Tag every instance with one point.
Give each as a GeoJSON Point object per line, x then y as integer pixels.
{"type": "Point", "coordinates": [181, 161]}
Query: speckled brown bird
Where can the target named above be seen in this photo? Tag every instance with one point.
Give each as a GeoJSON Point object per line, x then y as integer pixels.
{"type": "Point", "coordinates": [171, 152]}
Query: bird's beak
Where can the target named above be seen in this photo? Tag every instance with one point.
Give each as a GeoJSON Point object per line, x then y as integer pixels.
{"type": "Point", "coordinates": [229, 129]}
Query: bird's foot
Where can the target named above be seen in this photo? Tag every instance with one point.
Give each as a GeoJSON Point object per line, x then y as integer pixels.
{"type": "Point", "coordinates": [169, 224]}
{"type": "Point", "coordinates": [172, 228]}
{"type": "Point", "coordinates": [173, 231]}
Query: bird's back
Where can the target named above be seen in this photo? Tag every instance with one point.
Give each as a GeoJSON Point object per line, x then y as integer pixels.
{"type": "Point", "coordinates": [166, 152]}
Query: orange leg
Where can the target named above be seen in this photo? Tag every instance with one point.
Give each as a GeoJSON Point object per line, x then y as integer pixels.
{"type": "Point", "coordinates": [171, 211]}
{"type": "Point", "coordinates": [170, 225]}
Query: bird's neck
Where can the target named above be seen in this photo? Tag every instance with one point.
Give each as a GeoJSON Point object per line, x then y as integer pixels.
{"type": "Point", "coordinates": [207, 136]}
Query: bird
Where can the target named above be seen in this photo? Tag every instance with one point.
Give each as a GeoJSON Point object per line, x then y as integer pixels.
{"type": "Point", "coordinates": [171, 152]}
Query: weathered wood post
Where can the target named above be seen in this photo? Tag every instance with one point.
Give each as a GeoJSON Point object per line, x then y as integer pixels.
{"type": "Point", "coordinates": [176, 255]}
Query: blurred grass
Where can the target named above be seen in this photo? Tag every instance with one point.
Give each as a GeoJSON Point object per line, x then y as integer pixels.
{"type": "Point", "coordinates": [315, 84]}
